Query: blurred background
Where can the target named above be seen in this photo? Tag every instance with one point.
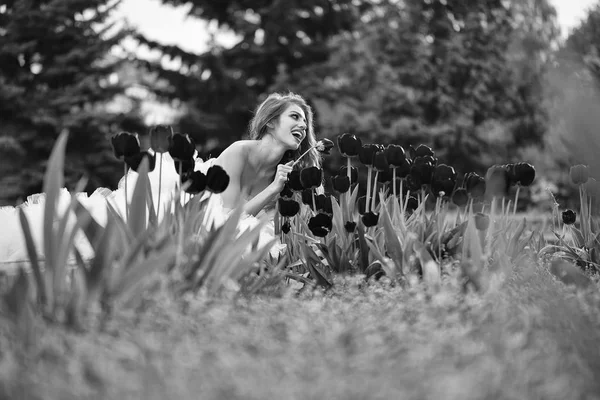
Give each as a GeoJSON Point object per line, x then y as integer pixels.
{"type": "Point", "coordinates": [480, 81]}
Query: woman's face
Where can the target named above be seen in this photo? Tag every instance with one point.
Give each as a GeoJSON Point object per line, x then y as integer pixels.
{"type": "Point", "coordinates": [290, 128]}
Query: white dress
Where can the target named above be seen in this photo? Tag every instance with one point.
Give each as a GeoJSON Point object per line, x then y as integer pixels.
{"type": "Point", "coordinates": [13, 250]}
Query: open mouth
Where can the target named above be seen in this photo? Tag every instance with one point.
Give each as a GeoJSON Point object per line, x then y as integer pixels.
{"type": "Point", "coordinates": [298, 135]}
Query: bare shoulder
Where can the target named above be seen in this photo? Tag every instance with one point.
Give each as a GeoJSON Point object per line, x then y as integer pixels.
{"type": "Point", "coordinates": [233, 158]}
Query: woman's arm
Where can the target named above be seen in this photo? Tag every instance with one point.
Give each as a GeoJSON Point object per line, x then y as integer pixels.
{"type": "Point", "coordinates": [258, 202]}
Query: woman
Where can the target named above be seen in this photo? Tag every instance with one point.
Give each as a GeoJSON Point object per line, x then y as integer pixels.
{"type": "Point", "coordinates": [280, 131]}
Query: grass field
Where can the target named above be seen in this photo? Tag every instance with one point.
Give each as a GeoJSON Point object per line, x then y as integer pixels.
{"type": "Point", "coordinates": [528, 337]}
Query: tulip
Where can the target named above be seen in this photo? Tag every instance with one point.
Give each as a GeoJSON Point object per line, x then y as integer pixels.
{"type": "Point", "coordinates": [286, 227]}
{"type": "Point", "coordinates": [413, 182]}
{"type": "Point", "coordinates": [460, 197]}
{"type": "Point", "coordinates": [362, 204]}
{"type": "Point", "coordinates": [349, 145]}
{"type": "Point", "coordinates": [353, 174]}
{"type": "Point", "coordinates": [395, 155]}
{"type": "Point", "coordinates": [350, 226]}
{"type": "Point", "coordinates": [125, 144]}
{"type": "Point", "coordinates": [184, 166]}
{"type": "Point", "coordinates": [286, 192]}
{"type": "Point", "coordinates": [217, 179]}
{"type": "Point", "coordinates": [195, 182]}
{"type": "Point", "coordinates": [366, 154]}
{"type": "Point", "coordinates": [412, 204]}
{"type": "Point", "coordinates": [569, 217]}
{"type": "Point", "coordinates": [307, 197]}
{"type": "Point", "coordinates": [423, 170]}
{"type": "Point", "coordinates": [340, 183]}
{"type": "Point", "coordinates": [181, 147]}
{"type": "Point", "coordinates": [370, 219]}
{"type": "Point", "coordinates": [288, 207]}
{"type": "Point", "coordinates": [324, 204]}
{"type": "Point", "coordinates": [160, 138]}
{"type": "Point", "coordinates": [294, 181]}
{"type": "Point", "coordinates": [579, 174]}
{"type": "Point", "coordinates": [443, 171]}
{"type": "Point", "coordinates": [380, 163]}
{"type": "Point", "coordinates": [475, 185]}
{"type": "Point", "coordinates": [385, 176]}
{"type": "Point", "coordinates": [404, 169]}
{"type": "Point", "coordinates": [422, 151]}
{"type": "Point", "coordinates": [135, 160]}
{"type": "Point", "coordinates": [320, 225]}
{"type": "Point", "coordinates": [524, 173]}
{"type": "Point", "coordinates": [482, 221]}
{"type": "Point", "coordinates": [311, 177]}
{"type": "Point", "coordinates": [442, 187]}
{"type": "Point", "coordinates": [324, 146]}
{"type": "Point", "coordinates": [411, 152]}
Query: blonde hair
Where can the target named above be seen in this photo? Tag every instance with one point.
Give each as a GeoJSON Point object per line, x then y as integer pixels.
{"type": "Point", "coordinates": [270, 109]}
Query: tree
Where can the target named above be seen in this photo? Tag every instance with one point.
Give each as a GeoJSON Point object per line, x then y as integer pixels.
{"type": "Point", "coordinates": [220, 89]}
{"type": "Point", "coordinates": [56, 73]}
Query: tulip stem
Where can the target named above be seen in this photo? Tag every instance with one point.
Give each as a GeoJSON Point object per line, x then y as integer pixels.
{"type": "Point", "coordinates": [367, 202]}
{"type": "Point", "coordinates": [126, 198]}
{"type": "Point", "coordinates": [347, 195]}
{"type": "Point", "coordinates": [159, 185]}
{"type": "Point", "coordinates": [374, 191]}
{"type": "Point", "coordinates": [312, 192]}
{"type": "Point", "coordinates": [516, 200]}
{"type": "Point", "coordinates": [394, 181]}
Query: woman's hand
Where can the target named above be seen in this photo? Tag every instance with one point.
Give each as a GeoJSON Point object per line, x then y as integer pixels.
{"type": "Point", "coordinates": [281, 176]}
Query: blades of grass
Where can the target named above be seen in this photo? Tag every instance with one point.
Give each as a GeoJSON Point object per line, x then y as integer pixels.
{"type": "Point", "coordinates": [53, 183]}
{"type": "Point", "coordinates": [431, 269]}
{"type": "Point", "coordinates": [92, 230]}
{"type": "Point", "coordinates": [132, 279]}
{"type": "Point", "coordinates": [33, 259]}
{"type": "Point", "coordinates": [514, 240]}
{"type": "Point", "coordinates": [392, 242]}
{"type": "Point", "coordinates": [311, 264]}
{"type": "Point", "coordinates": [137, 213]}
{"type": "Point", "coordinates": [363, 247]}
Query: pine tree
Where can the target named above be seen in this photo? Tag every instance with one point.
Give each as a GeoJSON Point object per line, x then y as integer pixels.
{"type": "Point", "coordinates": [56, 73]}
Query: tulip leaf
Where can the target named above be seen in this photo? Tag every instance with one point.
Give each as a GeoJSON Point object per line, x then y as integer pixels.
{"type": "Point", "coordinates": [364, 249]}
{"type": "Point", "coordinates": [311, 261]}
{"type": "Point", "coordinates": [137, 207]}
{"type": "Point", "coordinates": [33, 258]}
{"type": "Point", "coordinates": [430, 268]}
{"type": "Point", "coordinates": [392, 243]}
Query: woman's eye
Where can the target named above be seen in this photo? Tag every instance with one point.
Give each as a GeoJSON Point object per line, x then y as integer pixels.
{"type": "Point", "coordinates": [295, 116]}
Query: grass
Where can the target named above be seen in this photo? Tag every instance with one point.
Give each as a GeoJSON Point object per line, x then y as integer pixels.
{"type": "Point", "coordinates": [528, 337]}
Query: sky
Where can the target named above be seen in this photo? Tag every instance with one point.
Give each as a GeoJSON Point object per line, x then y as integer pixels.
{"type": "Point", "coordinates": [170, 25]}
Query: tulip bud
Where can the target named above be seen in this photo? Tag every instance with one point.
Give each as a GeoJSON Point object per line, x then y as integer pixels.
{"type": "Point", "coordinates": [442, 187]}
{"type": "Point", "coordinates": [324, 204]}
{"type": "Point", "coordinates": [404, 168]}
{"type": "Point", "coordinates": [361, 203]}
{"type": "Point", "coordinates": [294, 181]}
{"type": "Point", "coordinates": [311, 177]}
{"type": "Point", "coordinates": [412, 204]}
{"type": "Point", "coordinates": [569, 217]}
{"type": "Point", "coordinates": [370, 219]}
{"type": "Point", "coordinates": [125, 144]}
{"type": "Point", "coordinates": [524, 173]}
{"type": "Point", "coordinates": [320, 225]}
{"type": "Point", "coordinates": [287, 207]}
{"type": "Point", "coordinates": [579, 174]}
{"type": "Point", "coordinates": [385, 176]}
{"type": "Point", "coordinates": [350, 226]}
{"type": "Point", "coordinates": [135, 160]}
{"type": "Point", "coordinates": [482, 221]}
{"type": "Point", "coordinates": [184, 166]}
{"type": "Point", "coordinates": [217, 179]}
{"type": "Point", "coordinates": [422, 151]}
{"type": "Point", "coordinates": [194, 182]}
{"type": "Point", "coordinates": [286, 191]}
{"type": "Point", "coordinates": [181, 147]}
{"type": "Point", "coordinates": [395, 155]}
{"type": "Point", "coordinates": [286, 227]}
{"type": "Point", "coordinates": [443, 171]}
{"type": "Point", "coordinates": [353, 174]}
{"type": "Point", "coordinates": [475, 185]}
{"type": "Point", "coordinates": [349, 145]}
{"type": "Point", "coordinates": [379, 161]}
{"type": "Point", "coordinates": [340, 183]}
{"type": "Point", "coordinates": [366, 154]}
{"type": "Point", "coordinates": [307, 197]}
{"type": "Point", "coordinates": [460, 197]}
{"type": "Point", "coordinates": [160, 138]}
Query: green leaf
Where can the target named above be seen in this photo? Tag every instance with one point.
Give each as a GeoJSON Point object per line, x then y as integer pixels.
{"type": "Point", "coordinates": [392, 243]}
{"type": "Point", "coordinates": [33, 258]}
{"type": "Point", "coordinates": [138, 206]}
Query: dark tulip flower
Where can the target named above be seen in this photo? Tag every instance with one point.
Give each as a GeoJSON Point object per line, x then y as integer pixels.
{"type": "Point", "coordinates": [324, 146]}
{"type": "Point", "coordinates": [324, 204]}
{"type": "Point", "coordinates": [413, 182]}
{"type": "Point", "coordinates": [181, 146]}
{"type": "Point", "coordinates": [340, 183]}
{"type": "Point", "coordinates": [445, 186]}
{"type": "Point", "coordinates": [320, 225]}
{"type": "Point", "coordinates": [404, 168]}
{"type": "Point", "coordinates": [125, 144]}
{"type": "Point", "coordinates": [497, 181]}
{"type": "Point", "coordinates": [423, 170]}
{"type": "Point", "coordinates": [379, 161]}
{"type": "Point", "coordinates": [184, 166]}
{"type": "Point", "coordinates": [475, 185]}
{"type": "Point", "coordinates": [217, 179]}
{"type": "Point", "coordinates": [366, 154]}
{"type": "Point", "coordinates": [294, 181]}
{"type": "Point", "coordinates": [412, 204]}
{"type": "Point", "coordinates": [443, 171]}
{"type": "Point", "coordinates": [385, 175]}
{"type": "Point", "coordinates": [307, 197]}
{"type": "Point", "coordinates": [286, 227]}
{"type": "Point", "coordinates": [135, 160]}
{"type": "Point", "coordinates": [286, 191]}
{"type": "Point", "coordinates": [361, 204]}
{"type": "Point", "coordinates": [569, 217]}
{"type": "Point", "coordinates": [353, 174]}
{"type": "Point", "coordinates": [311, 177]}
{"type": "Point", "coordinates": [579, 174]}
{"type": "Point", "coordinates": [196, 182]}
{"type": "Point", "coordinates": [349, 145]}
{"type": "Point", "coordinates": [160, 138]}
{"type": "Point", "coordinates": [370, 219]}
{"type": "Point", "coordinates": [422, 151]}
{"type": "Point", "coordinates": [288, 207]}
{"type": "Point", "coordinates": [460, 197]}
{"type": "Point", "coordinates": [350, 226]}
{"type": "Point", "coordinates": [524, 173]}
{"type": "Point", "coordinates": [482, 221]}
{"type": "Point", "coordinates": [395, 155]}
{"type": "Point", "coordinates": [412, 152]}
